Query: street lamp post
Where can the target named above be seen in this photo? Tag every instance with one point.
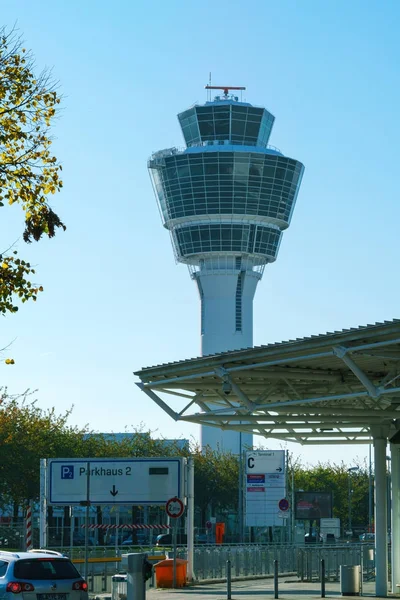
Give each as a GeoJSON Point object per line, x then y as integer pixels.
{"type": "Point", "coordinates": [349, 471]}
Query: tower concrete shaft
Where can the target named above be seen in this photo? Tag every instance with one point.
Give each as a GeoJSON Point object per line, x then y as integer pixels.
{"type": "Point", "coordinates": [226, 296]}
{"type": "Point", "coordinates": [226, 199]}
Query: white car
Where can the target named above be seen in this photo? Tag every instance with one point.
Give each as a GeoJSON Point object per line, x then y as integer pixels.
{"type": "Point", "coordinates": [40, 575]}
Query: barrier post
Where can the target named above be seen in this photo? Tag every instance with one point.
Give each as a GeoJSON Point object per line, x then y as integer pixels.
{"type": "Point", "coordinates": [28, 529]}
{"type": "Point", "coordinates": [228, 580]}
{"type": "Point", "coordinates": [276, 579]}
{"type": "Point", "coordinates": [322, 578]}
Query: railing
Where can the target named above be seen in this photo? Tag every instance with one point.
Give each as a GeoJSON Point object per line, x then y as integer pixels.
{"type": "Point", "coordinates": [157, 158]}
{"type": "Point", "coordinates": [210, 562]}
{"type": "Point", "coordinates": [309, 561]}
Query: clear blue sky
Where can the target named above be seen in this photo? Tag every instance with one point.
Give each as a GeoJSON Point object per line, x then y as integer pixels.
{"type": "Point", "coordinates": [114, 299]}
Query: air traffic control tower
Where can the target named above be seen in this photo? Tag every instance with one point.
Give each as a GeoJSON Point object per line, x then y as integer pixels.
{"type": "Point", "coordinates": [226, 200]}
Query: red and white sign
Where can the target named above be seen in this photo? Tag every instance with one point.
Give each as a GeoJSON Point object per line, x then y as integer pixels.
{"type": "Point", "coordinates": [283, 504]}
{"type": "Point", "coordinates": [174, 508]}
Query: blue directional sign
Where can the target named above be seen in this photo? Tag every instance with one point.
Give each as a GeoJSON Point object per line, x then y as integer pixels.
{"type": "Point", "coordinates": [115, 481]}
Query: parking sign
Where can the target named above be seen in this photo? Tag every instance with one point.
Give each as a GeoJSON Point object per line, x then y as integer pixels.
{"type": "Point", "coordinates": [67, 471]}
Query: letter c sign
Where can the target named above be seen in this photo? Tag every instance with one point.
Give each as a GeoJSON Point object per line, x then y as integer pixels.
{"type": "Point", "coordinates": [250, 462]}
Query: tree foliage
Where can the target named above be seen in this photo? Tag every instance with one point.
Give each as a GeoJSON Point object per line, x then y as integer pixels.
{"type": "Point", "coordinates": [29, 433]}
{"type": "Point", "coordinates": [216, 481]}
{"type": "Point", "coordinates": [29, 172]}
{"type": "Point", "coordinates": [328, 477]}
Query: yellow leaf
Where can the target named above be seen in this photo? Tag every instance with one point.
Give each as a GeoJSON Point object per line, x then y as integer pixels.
{"type": "Point", "coordinates": [4, 265]}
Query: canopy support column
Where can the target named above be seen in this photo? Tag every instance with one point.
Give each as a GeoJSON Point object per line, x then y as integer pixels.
{"type": "Point", "coordinates": [381, 557]}
{"type": "Point", "coordinates": [395, 532]}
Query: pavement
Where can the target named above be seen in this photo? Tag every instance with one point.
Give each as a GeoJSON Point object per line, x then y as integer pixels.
{"type": "Point", "coordinates": [289, 588]}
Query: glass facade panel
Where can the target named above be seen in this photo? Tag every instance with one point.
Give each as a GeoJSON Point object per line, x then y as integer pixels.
{"type": "Point", "coordinates": [245, 125]}
{"type": "Point", "coordinates": [227, 183]}
{"type": "Point", "coordinates": [189, 126]}
{"type": "Point", "coordinates": [235, 237]}
{"type": "Point", "coordinates": [215, 200]}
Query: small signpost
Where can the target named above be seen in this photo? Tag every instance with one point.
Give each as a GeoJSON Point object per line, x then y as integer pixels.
{"type": "Point", "coordinates": [283, 506]}
{"type": "Point", "coordinates": [174, 509]}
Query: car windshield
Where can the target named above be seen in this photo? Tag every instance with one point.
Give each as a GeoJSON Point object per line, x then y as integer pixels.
{"type": "Point", "coordinates": [45, 568]}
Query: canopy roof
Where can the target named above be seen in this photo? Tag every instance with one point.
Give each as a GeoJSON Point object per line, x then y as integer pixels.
{"type": "Point", "coordinates": [327, 389]}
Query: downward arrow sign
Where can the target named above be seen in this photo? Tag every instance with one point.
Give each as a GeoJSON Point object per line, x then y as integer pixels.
{"type": "Point", "coordinates": [113, 492]}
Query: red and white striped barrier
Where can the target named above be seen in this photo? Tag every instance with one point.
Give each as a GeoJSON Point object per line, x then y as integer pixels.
{"type": "Point", "coordinates": [126, 526]}
{"type": "Point", "coordinates": [28, 528]}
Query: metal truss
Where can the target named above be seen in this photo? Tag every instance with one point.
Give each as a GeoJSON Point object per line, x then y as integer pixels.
{"type": "Point", "coordinates": [322, 393]}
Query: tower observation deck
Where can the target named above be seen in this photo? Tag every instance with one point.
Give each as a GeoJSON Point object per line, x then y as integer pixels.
{"type": "Point", "coordinates": [226, 199]}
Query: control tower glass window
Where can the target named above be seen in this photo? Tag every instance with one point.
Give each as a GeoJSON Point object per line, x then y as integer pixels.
{"type": "Point", "coordinates": [246, 123]}
{"type": "Point", "coordinates": [224, 237]}
{"type": "Point", "coordinates": [240, 183]}
{"type": "Point", "coordinates": [226, 123]}
{"type": "Point", "coordinates": [190, 129]}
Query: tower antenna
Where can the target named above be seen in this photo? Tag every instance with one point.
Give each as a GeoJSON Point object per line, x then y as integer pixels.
{"type": "Point", "coordinates": [226, 88]}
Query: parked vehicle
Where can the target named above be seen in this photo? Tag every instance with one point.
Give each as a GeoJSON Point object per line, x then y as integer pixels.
{"type": "Point", "coordinates": [367, 537]}
{"type": "Point", "coordinates": [40, 574]}
{"type": "Point", "coordinates": [312, 538]}
{"type": "Point", "coordinates": [141, 539]}
{"type": "Point", "coordinates": [166, 539]}
{"type": "Point", "coordinates": [78, 539]}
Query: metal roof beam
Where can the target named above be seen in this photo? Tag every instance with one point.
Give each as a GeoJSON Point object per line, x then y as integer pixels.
{"type": "Point", "coordinates": [293, 373]}
{"type": "Point", "coordinates": [158, 401]}
{"type": "Point", "coordinates": [342, 353]}
{"type": "Point", "coordinates": [345, 411]}
{"type": "Point", "coordinates": [362, 420]}
{"type": "Point", "coordinates": [223, 374]}
{"type": "Point", "coordinates": [186, 407]}
{"type": "Point", "coordinates": [336, 442]}
{"type": "Point", "coordinates": [328, 398]}
{"type": "Point", "coordinates": [292, 388]}
{"type": "Point", "coordinates": [269, 363]}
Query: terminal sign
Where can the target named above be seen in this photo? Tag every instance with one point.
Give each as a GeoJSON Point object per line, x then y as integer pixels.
{"type": "Point", "coordinates": [265, 461]}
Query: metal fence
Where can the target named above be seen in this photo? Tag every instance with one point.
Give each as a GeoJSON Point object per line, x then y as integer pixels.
{"type": "Point", "coordinates": [210, 562]}
{"type": "Point", "coordinates": [303, 561]}
{"type": "Point", "coordinates": [309, 561]}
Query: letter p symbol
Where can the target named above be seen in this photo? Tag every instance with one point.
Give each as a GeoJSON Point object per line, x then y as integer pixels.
{"type": "Point", "coordinates": [67, 471]}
